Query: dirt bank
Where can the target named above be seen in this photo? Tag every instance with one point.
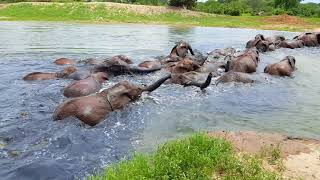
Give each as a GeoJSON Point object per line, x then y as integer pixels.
{"type": "Point", "coordinates": [301, 157]}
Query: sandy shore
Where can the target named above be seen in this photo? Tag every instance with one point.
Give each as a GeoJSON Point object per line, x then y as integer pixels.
{"type": "Point", "coordinates": [300, 156]}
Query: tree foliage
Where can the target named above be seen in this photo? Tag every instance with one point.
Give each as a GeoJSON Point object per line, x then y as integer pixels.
{"type": "Point", "coordinates": [260, 7]}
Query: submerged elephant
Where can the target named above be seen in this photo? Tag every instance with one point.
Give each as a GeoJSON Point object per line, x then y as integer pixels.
{"type": "Point", "coordinates": [65, 61]}
{"type": "Point", "coordinates": [283, 68]}
{"type": "Point", "coordinates": [50, 75]}
{"type": "Point", "coordinates": [183, 66]}
{"type": "Point", "coordinates": [246, 62]}
{"type": "Point", "coordinates": [261, 44]}
{"type": "Point", "coordinates": [181, 49]}
{"type": "Point", "coordinates": [309, 39]}
{"type": "Point", "coordinates": [178, 52]}
{"type": "Point", "coordinates": [150, 64]}
{"type": "Point", "coordinates": [232, 76]}
{"type": "Point", "coordinates": [292, 44]}
{"type": "Point", "coordinates": [201, 80]}
{"type": "Point", "coordinates": [222, 52]}
{"type": "Point", "coordinates": [86, 86]}
{"type": "Point", "coordinates": [274, 39]}
{"type": "Point", "coordinates": [93, 109]}
{"type": "Point", "coordinates": [119, 65]}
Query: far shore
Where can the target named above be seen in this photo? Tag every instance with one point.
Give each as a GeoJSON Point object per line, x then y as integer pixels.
{"type": "Point", "coordinates": [107, 12]}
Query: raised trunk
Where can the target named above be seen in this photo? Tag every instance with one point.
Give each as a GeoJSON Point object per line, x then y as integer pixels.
{"type": "Point", "coordinates": [157, 84]}
{"type": "Point", "coordinates": [201, 85]}
{"type": "Point", "coordinates": [143, 70]}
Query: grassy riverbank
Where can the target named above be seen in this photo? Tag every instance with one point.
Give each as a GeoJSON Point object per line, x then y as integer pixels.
{"type": "Point", "coordinates": [125, 13]}
{"type": "Point", "coordinates": [196, 157]}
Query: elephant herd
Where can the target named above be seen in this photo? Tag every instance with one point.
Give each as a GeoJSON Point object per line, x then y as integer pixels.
{"type": "Point", "coordinates": [183, 66]}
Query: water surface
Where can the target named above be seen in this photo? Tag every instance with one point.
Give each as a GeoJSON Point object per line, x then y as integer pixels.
{"type": "Point", "coordinates": [32, 146]}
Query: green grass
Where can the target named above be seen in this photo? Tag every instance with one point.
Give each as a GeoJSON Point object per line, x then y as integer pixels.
{"type": "Point", "coordinates": [102, 13]}
{"type": "Point", "coordinates": [195, 157]}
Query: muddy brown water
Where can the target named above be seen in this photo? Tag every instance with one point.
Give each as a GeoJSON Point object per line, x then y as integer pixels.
{"type": "Point", "coordinates": [32, 146]}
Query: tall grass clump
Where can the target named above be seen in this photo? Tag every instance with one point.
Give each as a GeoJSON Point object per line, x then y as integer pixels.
{"type": "Point", "coordinates": [195, 157]}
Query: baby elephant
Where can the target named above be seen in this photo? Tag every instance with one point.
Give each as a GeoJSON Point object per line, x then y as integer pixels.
{"type": "Point", "coordinates": [232, 76]}
{"type": "Point", "coordinates": [64, 61]}
{"type": "Point", "coordinates": [283, 68]}
{"type": "Point", "coordinates": [47, 76]}
{"type": "Point", "coordinates": [181, 49]}
{"type": "Point", "coordinates": [246, 63]}
{"type": "Point", "coordinates": [86, 86]}
{"type": "Point", "coordinates": [94, 108]}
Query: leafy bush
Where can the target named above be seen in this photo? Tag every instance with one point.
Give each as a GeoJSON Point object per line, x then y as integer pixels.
{"type": "Point", "coordinates": [196, 157]}
{"type": "Point", "coordinates": [234, 8]}
{"type": "Point", "coordinates": [189, 4]}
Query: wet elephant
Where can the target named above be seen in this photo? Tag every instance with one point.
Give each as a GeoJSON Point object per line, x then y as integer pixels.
{"type": "Point", "coordinates": [283, 68]}
{"type": "Point", "coordinates": [118, 66]}
{"type": "Point", "coordinates": [86, 86]}
{"type": "Point", "coordinates": [150, 64]}
{"type": "Point", "coordinates": [275, 39]}
{"type": "Point", "coordinates": [309, 39]}
{"type": "Point", "coordinates": [94, 108]}
{"type": "Point", "coordinates": [178, 52]}
{"type": "Point", "coordinates": [183, 66]}
{"type": "Point", "coordinates": [181, 49]}
{"type": "Point", "coordinates": [246, 62]}
{"type": "Point", "coordinates": [35, 76]}
{"type": "Point", "coordinates": [261, 44]}
{"type": "Point", "coordinates": [65, 61]}
{"type": "Point", "coordinates": [220, 54]}
{"type": "Point", "coordinates": [192, 78]}
{"type": "Point", "coordinates": [232, 76]}
{"type": "Point", "coordinates": [292, 44]}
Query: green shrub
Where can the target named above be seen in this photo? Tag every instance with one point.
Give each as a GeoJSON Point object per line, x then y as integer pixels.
{"type": "Point", "coordinates": [279, 11]}
{"type": "Point", "coordinates": [189, 4]}
{"type": "Point", "coordinates": [196, 157]}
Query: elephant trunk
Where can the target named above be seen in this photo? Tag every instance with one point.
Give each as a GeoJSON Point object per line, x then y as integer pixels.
{"type": "Point", "coordinates": [202, 85]}
{"type": "Point", "coordinates": [157, 84]}
{"type": "Point", "coordinates": [190, 49]}
{"type": "Point", "coordinates": [143, 70]}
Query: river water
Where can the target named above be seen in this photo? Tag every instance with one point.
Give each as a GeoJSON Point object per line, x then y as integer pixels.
{"type": "Point", "coordinates": [32, 146]}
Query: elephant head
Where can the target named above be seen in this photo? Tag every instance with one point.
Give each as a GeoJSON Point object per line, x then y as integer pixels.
{"type": "Point", "coordinates": [259, 37]}
{"type": "Point", "coordinates": [309, 39]}
{"type": "Point", "coordinates": [93, 109]}
{"type": "Point", "coordinates": [183, 66]}
{"type": "Point", "coordinates": [181, 49]}
{"type": "Point", "coordinates": [283, 68]}
{"type": "Point", "coordinates": [291, 60]}
{"type": "Point", "coordinates": [50, 75]}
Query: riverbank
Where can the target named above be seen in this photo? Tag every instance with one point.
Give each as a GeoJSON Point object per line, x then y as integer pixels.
{"type": "Point", "coordinates": [107, 12]}
{"type": "Point", "coordinates": [223, 155]}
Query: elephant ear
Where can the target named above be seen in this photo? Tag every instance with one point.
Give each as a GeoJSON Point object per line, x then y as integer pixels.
{"type": "Point", "coordinates": [292, 61]}
{"type": "Point", "coordinates": [228, 66]}
{"type": "Point", "coordinates": [173, 49]}
{"type": "Point", "coordinates": [266, 69]}
{"type": "Point", "coordinates": [190, 49]}
{"type": "Point", "coordinates": [318, 37]}
{"type": "Point", "coordinates": [282, 38]}
{"type": "Point", "coordinates": [257, 41]}
{"type": "Point", "coordinates": [260, 36]}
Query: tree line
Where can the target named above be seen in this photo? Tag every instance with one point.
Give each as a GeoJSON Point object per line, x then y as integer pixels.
{"type": "Point", "coordinates": [259, 7]}
{"type": "Point", "coordinates": [226, 7]}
